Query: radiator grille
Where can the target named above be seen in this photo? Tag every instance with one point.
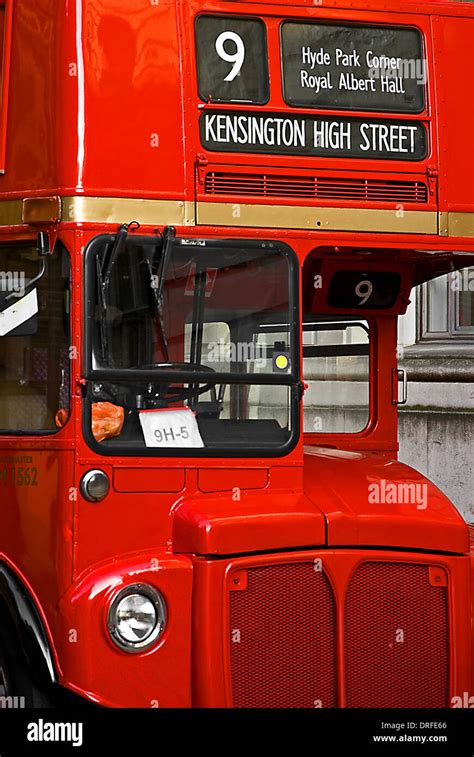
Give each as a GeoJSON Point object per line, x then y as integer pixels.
{"type": "Point", "coordinates": [315, 188]}
{"type": "Point", "coordinates": [396, 638]}
{"type": "Point", "coordinates": [282, 647]}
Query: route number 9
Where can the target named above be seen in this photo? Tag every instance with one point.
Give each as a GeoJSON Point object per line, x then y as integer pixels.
{"type": "Point", "coordinates": [364, 291]}
{"type": "Point", "coordinates": [237, 58]}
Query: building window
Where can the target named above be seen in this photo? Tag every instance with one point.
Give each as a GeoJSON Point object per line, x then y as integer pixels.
{"type": "Point", "coordinates": [447, 307]}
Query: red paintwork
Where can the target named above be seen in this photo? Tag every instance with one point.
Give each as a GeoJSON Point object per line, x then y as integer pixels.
{"type": "Point", "coordinates": [91, 662]}
{"type": "Point", "coordinates": [113, 85]}
{"type": "Point", "coordinates": [90, 88]}
{"type": "Point", "coordinates": [337, 481]}
{"type": "Point", "coordinates": [266, 521]}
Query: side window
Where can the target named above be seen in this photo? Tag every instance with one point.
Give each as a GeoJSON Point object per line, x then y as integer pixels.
{"type": "Point", "coordinates": [336, 366]}
{"type": "Point", "coordinates": [34, 341]}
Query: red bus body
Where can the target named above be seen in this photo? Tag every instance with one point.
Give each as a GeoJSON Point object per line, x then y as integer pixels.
{"type": "Point", "coordinates": [100, 126]}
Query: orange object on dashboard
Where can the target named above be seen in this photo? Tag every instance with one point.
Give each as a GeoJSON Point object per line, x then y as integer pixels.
{"type": "Point", "coordinates": [62, 417]}
{"type": "Point", "coordinates": [107, 420]}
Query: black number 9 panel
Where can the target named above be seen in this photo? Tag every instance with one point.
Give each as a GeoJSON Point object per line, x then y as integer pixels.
{"type": "Point", "coordinates": [232, 60]}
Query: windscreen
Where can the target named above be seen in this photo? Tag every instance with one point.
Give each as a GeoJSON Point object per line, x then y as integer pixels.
{"type": "Point", "coordinates": [192, 346]}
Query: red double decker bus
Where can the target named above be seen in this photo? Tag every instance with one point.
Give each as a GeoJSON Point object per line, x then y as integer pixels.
{"type": "Point", "coordinates": [212, 216]}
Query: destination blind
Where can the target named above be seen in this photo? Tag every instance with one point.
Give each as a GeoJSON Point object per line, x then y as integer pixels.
{"type": "Point", "coordinates": [373, 68]}
{"type": "Point", "coordinates": [321, 136]}
{"type": "Point", "coordinates": [232, 59]}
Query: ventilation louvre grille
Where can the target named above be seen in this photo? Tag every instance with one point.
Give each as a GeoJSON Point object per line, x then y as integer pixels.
{"type": "Point", "coordinates": [315, 188]}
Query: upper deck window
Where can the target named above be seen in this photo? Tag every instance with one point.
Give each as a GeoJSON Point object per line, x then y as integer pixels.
{"type": "Point", "coordinates": [232, 60]}
{"type": "Point", "coordinates": [374, 68]}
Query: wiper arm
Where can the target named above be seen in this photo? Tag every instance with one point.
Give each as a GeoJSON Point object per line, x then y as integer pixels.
{"type": "Point", "coordinates": [169, 236]}
{"type": "Point", "coordinates": [102, 306]}
{"type": "Point", "coordinates": [104, 273]}
{"type": "Point", "coordinates": [118, 245]}
{"type": "Point", "coordinates": [105, 270]}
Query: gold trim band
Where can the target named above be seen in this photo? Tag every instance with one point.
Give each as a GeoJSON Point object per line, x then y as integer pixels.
{"type": "Point", "coordinates": [117, 210]}
{"type": "Point", "coordinates": [11, 212]}
{"type": "Point", "coordinates": [317, 218]}
{"type": "Point", "coordinates": [456, 224]}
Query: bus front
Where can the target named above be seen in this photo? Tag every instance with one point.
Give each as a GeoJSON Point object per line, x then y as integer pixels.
{"type": "Point", "coordinates": [219, 517]}
{"type": "Point", "coordinates": [241, 382]}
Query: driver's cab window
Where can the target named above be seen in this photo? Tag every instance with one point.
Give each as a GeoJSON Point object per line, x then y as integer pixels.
{"type": "Point", "coordinates": [201, 334]}
{"type": "Point", "coordinates": [34, 341]}
{"type": "Point", "coordinates": [336, 367]}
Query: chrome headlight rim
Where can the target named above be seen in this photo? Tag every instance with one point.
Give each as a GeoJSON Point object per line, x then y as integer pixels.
{"type": "Point", "coordinates": [155, 636]}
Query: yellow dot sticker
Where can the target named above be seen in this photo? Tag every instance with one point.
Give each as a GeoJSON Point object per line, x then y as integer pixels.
{"type": "Point", "coordinates": [281, 362]}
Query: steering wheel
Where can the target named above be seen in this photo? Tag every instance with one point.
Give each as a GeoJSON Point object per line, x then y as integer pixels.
{"type": "Point", "coordinates": [181, 394]}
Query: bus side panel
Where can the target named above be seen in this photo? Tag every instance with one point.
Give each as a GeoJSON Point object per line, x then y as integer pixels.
{"type": "Point", "coordinates": [453, 44]}
{"type": "Point", "coordinates": [134, 130]}
{"type": "Point", "coordinates": [36, 507]}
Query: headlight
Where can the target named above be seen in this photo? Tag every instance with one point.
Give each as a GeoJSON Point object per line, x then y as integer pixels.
{"type": "Point", "coordinates": [95, 485]}
{"type": "Point", "coordinates": [137, 617]}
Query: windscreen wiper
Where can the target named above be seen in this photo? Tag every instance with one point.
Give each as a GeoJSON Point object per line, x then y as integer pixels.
{"type": "Point", "coordinates": [117, 247]}
{"type": "Point", "coordinates": [104, 273]}
{"type": "Point", "coordinates": [105, 270]}
{"type": "Point", "coordinates": [169, 236]}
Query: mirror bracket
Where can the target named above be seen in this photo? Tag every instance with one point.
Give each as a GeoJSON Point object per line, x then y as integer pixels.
{"type": "Point", "coordinates": [43, 248]}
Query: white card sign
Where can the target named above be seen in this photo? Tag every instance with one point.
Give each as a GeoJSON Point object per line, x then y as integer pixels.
{"type": "Point", "coordinates": [18, 313]}
{"type": "Point", "coordinates": [171, 428]}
